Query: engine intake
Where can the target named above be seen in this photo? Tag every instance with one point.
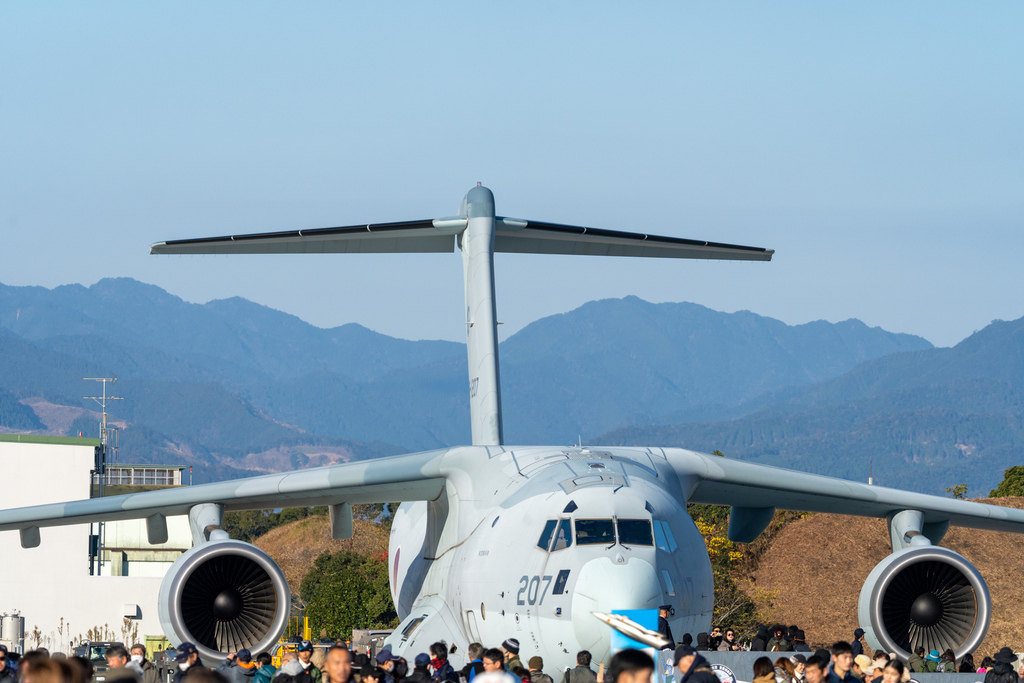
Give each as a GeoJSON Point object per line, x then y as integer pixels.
{"type": "Point", "coordinates": [927, 596]}
{"type": "Point", "coordinates": [223, 596]}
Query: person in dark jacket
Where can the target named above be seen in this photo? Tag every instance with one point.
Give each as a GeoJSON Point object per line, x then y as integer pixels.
{"type": "Point", "coordinates": [421, 672]}
{"type": "Point", "coordinates": [442, 669]}
{"type": "Point", "coordinates": [664, 612]}
{"type": "Point", "coordinates": [800, 641]}
{"type": "Point", "coordinates": [857, 645]}
{"type": "Point", "coordinates": [187, 658]}
{"type": "Point", "coordinates": [582, 673]}
{"type": "Point", "coordinates": [703, 644]}
{"type": "Point", "coordinates": [475, 652]}
{"type": "Point", "coordinates": [760, 642]}
{"type": "Point", "coordinates": [537, 674]}
{"type": "Point", "coordinates": [237, 667]}
{"type": "Point", "coordinates": [7, 672]}
{"type": "Point", "coordinates": [692, 667]}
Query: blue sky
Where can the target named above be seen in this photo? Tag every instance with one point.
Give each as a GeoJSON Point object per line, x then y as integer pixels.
{"type": "Point", "coordinates": [878, 147]}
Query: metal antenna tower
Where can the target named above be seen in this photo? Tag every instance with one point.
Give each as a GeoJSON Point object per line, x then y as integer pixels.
{"type": "Point", "coordinates": [101, 464]}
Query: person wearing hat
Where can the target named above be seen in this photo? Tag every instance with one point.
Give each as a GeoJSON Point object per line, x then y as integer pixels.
{"type": "Point", "coordinates": [931, 662]}
{"type": "Point", "coordinates": [305, 655]}
{"type": "Point", "coordinates": [861, 664]}
{"type": "Point", "coordinates": [692, 667]}
{"type": "Point", "coordinates": [1006, 656]}
{"type": "Point", "coordinates": [537, 674]}
{"type": "Point", "coordinates": [187, 657]}
{"type": "Point", "coordinates": [386, 661]}
{"type": "Point", "coordinates": [510, 648]}
{"type": "Point", "coordinates": [238, 667]}
{"type": "Point", "coordinates": [664, 612]}
{"type": "Point", "coordinates": [421, 670]}
{"type": "Point", "coordinates": [857, 645]}
{"type": "Point", "coordinates": [800, 641]}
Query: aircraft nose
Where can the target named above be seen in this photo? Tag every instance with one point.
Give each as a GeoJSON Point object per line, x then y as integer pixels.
{"type": "Point", "coordinates": [605, 585]}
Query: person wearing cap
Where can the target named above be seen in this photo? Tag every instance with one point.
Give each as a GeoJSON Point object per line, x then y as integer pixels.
{"type": "Point", "coordinates": [238, 667]}
{"type": "Point", "coordinates": [857, 644]}
{"type": "Point", "coordinates": [799, 663]}
{"type": "Point", "coordinates": [691, 666]}
{"type": "Point", "coordinates": [537, 674]}
{"type": "Point", "coordinates": [187, 657]}
{"type": "Point", "coordinates": [305, 655]}
{"type": "Point", "coordinates": [664, 612]}
{"type": "Point", "coordinates": [511, 650]}
{"type": "Point", "coordinates": [421, 670]}
{"type": "Point", "coordinates": [800, 641]}
{"type": "Point", "coordinates": [386, 661]}
{"type": "Point", "coordinates": [338, 665]}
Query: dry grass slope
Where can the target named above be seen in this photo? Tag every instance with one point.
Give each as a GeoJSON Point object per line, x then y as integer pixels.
{"type": "Point", "coordinates": [818, 565]}
{"type": "Point", "coordinates": [295, 546]}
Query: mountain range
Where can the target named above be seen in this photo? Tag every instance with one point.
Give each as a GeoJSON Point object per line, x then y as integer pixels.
{"type": "Point", "coordinates": [234, 387]}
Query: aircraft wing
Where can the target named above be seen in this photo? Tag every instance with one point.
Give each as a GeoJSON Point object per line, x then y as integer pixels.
{"type": "Point", "coordinates": [537, 237]}
{"type": "Point", "coordinates": [430, 235]}
{"type": "Point", "coordinates": [438, 235]}
{"type": "Point", "coordinates": [401, 478]}
{"type": "Point", "coordinates": [721, 481]}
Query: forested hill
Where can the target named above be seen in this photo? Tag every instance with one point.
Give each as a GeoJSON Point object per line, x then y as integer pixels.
{"type": "Point", "coordinates": [236, 387]}
{"type": "Point", "coordinates": [922, 420]}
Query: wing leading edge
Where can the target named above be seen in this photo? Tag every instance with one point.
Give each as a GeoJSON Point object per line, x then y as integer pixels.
{"type": "Point", "coordinates": [721, 481]}
{"type": "Point", "coordinates": [401, 478]}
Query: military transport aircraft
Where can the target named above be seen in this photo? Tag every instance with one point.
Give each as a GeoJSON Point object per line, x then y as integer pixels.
{"type": "Point", "coordinates": [493, 541]}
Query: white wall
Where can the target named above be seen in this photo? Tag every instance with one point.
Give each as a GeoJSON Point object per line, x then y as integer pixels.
{"type": "Point", "coordinates": [51, 583]}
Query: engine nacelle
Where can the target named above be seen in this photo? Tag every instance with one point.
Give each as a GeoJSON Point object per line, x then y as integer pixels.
{"type": "Point", "coordinates": [928, 596]}
{"type": "Point", "coordinates": [223, 596]}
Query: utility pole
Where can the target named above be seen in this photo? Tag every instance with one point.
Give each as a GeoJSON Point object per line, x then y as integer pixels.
{"type": "Point", "coordinates": [101, 460]}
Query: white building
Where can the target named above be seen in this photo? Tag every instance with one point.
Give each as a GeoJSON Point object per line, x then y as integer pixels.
{"type": "Point", "coordinates": [51, 585]}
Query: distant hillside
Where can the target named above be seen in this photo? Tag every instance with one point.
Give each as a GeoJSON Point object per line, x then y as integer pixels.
{"type": "Point", "coordinates": [231, 383]}
{"type": "Point", "coordinates": [818, 565]}
{"type": "Point", "coordinates": [296, 545]}
{"type": "Point", "coordinates": [920, 420]}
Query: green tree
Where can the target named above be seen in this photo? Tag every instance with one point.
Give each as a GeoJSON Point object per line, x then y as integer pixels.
{"type": "Point", "coordinates": [1012, 483]}
{"type": "Point", "coordinates": [345, 591]}
{"type": "Point", "coordinates": [958, 491]}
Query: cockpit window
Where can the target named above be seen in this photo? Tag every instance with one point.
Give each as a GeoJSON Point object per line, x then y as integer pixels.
{"type": "Point", "coordinates": [595, 531]}
{"type": "Point", "coordinates": [545, 536]}
{"type": "Point", "coordinates": [563, 539]}
{"type": "Point", "coordinates": [663, 535]}
{"type": "Point", "coordinates": [635, 532]}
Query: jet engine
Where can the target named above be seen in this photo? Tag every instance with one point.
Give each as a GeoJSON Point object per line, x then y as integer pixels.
{"type": "Point", "coordinates": [222, 596]}
{"type": "Point", "coordinates": [928, 596]}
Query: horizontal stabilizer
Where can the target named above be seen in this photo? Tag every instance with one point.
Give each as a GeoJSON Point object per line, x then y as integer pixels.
{"type": "Point", "coordinates": [435, 235]}
{"type": "Point", "coordinates": [534, 237]}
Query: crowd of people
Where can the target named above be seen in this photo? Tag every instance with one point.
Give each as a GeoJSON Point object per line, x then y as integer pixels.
{"type": "Point", "coordinates": [844, 662]}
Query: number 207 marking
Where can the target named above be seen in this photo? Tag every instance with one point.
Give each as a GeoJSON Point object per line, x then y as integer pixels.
{"type": "Point", "coordinates": [529, 587]}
